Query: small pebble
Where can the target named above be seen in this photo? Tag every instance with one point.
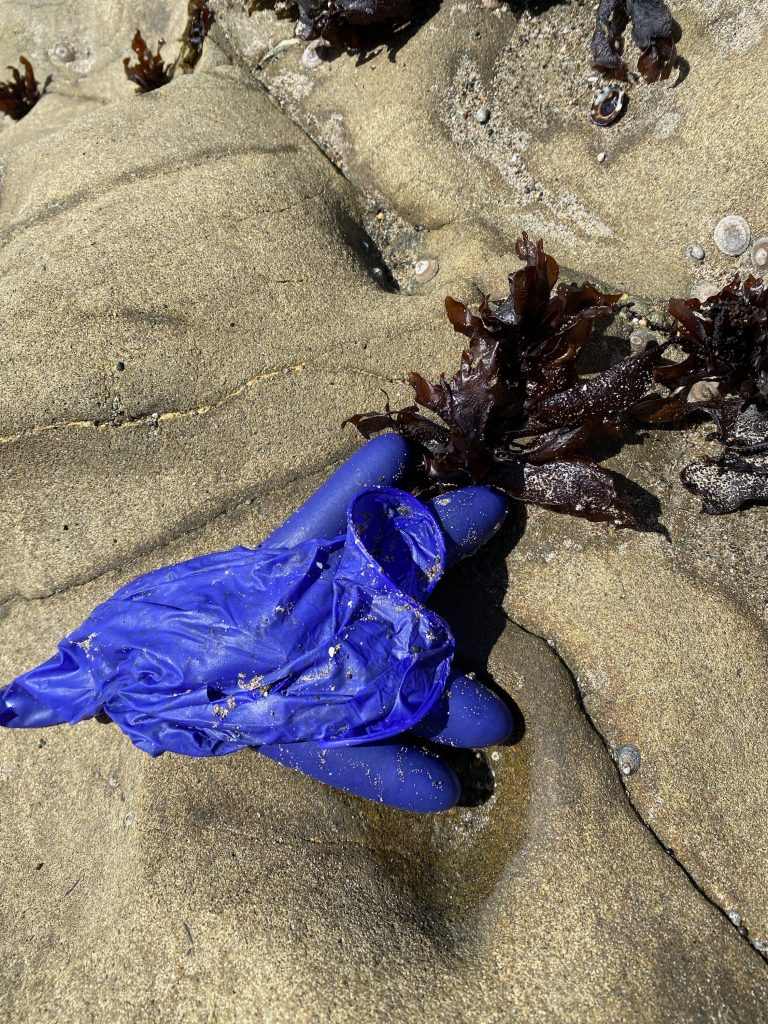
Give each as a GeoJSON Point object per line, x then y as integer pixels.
{"type": "Point", "coordinates": [600, 157]}
{"type": "Point", "coordinates": [482, 115]}
{"type": "Point", "coordinates": [732, 235]}
{"type": "Point", "coordinates": [120, 367]}
{"type": "Point", "coordinates": [694, 251]}
{"type": "Point", "coordinates": [425, 270]}
{"type": "Point", "coordinates": [760, 253]}
{"type": "Point", "coordinates": [628, 758]}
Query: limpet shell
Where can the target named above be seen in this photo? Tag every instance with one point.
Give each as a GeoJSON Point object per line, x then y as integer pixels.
{"type": "Point", "coordinates": [425, 270]}
{"type": "Point", "coordinates": [628, 758]}
{"type": "Point", "coordinates": [608, 106]}
{"type": "Point", "coordinates": [760, 253]}
{"type": "Point", "coordinates": [732, 235]}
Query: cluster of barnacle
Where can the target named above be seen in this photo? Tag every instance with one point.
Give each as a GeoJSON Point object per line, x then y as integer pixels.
{"type": "Point", "coordinates": [149, 71]}
{"type": "Point", "coordinates": [520, 416]}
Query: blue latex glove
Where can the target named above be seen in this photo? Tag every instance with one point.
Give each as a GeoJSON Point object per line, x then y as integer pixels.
{"type": "Point", "coordinates": [310, 647]}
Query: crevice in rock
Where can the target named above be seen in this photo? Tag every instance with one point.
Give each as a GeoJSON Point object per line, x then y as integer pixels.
{"type": "Point", "coordinates": [695, 883]}
{"type": "Point", "coordinates": [380, 220]}
{"type": "Point", "coordinates": [152, 419]}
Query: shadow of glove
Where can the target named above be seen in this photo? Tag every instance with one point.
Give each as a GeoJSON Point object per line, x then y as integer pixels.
{"type": "Point", "coordinates": [316, 647]}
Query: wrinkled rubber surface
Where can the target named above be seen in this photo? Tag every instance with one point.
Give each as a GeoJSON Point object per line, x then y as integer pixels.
{"type": "Point", "coordinates": [395, 772]}
{"type": "Point", "coordinates": [326, 641]}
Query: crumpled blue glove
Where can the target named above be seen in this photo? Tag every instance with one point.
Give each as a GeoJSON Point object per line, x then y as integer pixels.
{"type": "Point", "coordinates": [316, 647]}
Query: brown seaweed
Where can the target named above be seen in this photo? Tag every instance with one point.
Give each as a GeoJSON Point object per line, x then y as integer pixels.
{"type": "Point", "coordinates": [20, 93]}
{"type": "Point", "coordinates": [725, 344]}
{"type": "Point", "coordinates": [357, 25]}
{"type": "Point", "coordinates": [654, 31]}
{"type": "Point", "coordinates": [149, 71]}
{"type": "Point", "coordinates": [518, 414]}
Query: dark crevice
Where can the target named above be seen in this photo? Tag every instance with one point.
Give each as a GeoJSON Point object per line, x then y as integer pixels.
{"type": "Point", "coordinates": [741, 932]}
{"type": "Point", "coordinates": [360, 239]}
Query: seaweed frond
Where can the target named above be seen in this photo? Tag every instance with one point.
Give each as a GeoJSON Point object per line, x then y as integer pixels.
{"type": "Point", "coordinates": [20, 93]}
{"type": "Point", "coordinates": [149, 71]}
{"type": "Point", "coordinates": [518, 414]}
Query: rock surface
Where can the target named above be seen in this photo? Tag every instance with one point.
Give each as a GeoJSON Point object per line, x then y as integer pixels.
{"type": "Point", "coordinates": [198, 238]}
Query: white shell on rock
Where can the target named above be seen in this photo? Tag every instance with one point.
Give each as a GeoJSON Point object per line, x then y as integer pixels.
{"type": "Point", "coordinates": [425, 270]}
{"type": "Point", "coordinates": [704, 391]}
{"type": "Point", "coordinates": [65, 52]}
{"type": "Point", "coordinates": [315, 54]}
{"type": "Point", "coordinates": [704, 290]}
{"type": "Point", "coordinates": [732, 235]}
{"type": "Point", "coordinates": [760, 253]}
{"type": "Point", "coordinates": [694, 251]}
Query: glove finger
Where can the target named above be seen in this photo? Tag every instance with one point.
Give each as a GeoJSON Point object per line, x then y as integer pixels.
{"type": "Point", "coordinates": [398, 773]}
{"type": "Point", "coordinates": [21, 710]}
{"type": "Point", "coordinates": [469, 518]}
{"type": "Point", "coordinates": [381, 461]}
{"type": "Point", "coordinates": [468, 714]}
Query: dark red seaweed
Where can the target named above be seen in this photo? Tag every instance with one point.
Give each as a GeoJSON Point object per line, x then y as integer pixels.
{"type": "Point", "coordinates": [20, 93]}
{"type": "Point", "coordinates": [149, 71]}
{"type": "Point", "coordinates": [518, 414]}
{"type": "Point", "coordinates": [654, 30]}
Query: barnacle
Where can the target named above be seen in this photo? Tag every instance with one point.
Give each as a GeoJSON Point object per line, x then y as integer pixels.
{"type": "Point", "coordinates": [20, 93]}
{"type": "Point", "coordinates": [518, 414]}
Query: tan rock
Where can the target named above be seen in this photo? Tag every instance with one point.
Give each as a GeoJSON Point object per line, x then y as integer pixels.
{"type": "Point", "coordinates": [197, 237]}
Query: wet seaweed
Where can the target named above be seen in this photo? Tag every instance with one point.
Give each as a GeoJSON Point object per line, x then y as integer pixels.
{"type": "Point", "coordinates": [654, 31]}
{"type": "Point", "coordinates": [149, 71]}
{"type": "Point", "coordinates": [518, 414]}
{"type": "Point", "coordinates": [724, 376]}
{"type": "Point", "coordinates": [20, 92]}
{"type": "Point", "coordinates": [356, 25]}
